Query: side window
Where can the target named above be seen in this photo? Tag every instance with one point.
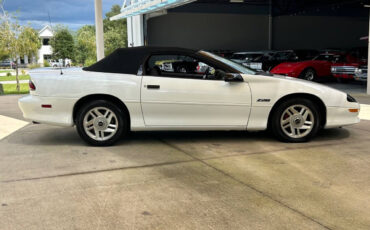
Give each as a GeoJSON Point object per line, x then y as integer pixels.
{"type": "Point", "coordinates": [181, 66]}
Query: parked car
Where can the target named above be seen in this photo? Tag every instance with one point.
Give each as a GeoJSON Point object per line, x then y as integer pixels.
{"type": "Point", "coordinates": [109, 98]}
{"type": "Point", "coordinates": [320, 66]}
{"type": "Point", "coordinates": [344, 68]}
{"type": "Point", "coordinates": [60, 63]}
{"type": "Point", "coordinates": [290, 56]}
{"type": "Point", "coordinates": [243, 57]}
{"type": "Point", "coordinates": [252, 60]}
{"type": "Point", "coordinates": [7, 64]}
{"type": "Point", "coordinates": [55, 63]}
{"type": "Point", "coordinates": [267, 60]}
{"type": "Point", "coordinates": [361, 73]}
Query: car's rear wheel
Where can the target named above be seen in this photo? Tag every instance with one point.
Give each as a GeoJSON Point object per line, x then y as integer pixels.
{"type": "Point", "coordinates": [296, 120]}
{"type": "Point", "coordinates": [101, 123]}
{"type": "Point", "coordinates": [308, 74]}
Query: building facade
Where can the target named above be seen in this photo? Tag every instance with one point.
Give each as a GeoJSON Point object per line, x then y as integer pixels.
{"type": "Point", "coordinates": [45, 51]}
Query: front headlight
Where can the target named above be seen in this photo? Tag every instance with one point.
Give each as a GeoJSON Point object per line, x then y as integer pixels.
{"type": "Point", "coordinates": [333, 69]}
{"type": "Point", "coordinates": [358, 71]}
{"type": "Point", "coordinates": [350, 98]}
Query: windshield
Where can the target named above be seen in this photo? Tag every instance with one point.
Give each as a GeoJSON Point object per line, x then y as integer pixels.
{"type": "Point", "coordinates": [264, 57]}
{"type": "Point", "coordinates": [234, 65]}
{"type": "Point", "coordinates": [330, 57]}
{"type": "Point", "coordinates": [246, 57]}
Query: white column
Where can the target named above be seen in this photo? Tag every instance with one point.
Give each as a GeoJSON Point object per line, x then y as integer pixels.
{"type": "Point", "coordinates": [25, 59]}
{"type": "Point", "coordinates": [130, 31]}
{"type": "Point", "coordinates": [368, 60]}
{"type": "Point", "coordinates": [99, 30]}
{"type": "Point", "coordinates": [138, 30]}
{"type": "Point", "coordinates": [135, 31]}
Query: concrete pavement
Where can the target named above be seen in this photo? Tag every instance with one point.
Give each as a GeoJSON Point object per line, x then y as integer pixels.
{"type": "Point", "coordinates": [49, 179]}
{"type": "Point", "coordinates": [13, 82]}
{"type": "Point", "coordinates": [10, 125]}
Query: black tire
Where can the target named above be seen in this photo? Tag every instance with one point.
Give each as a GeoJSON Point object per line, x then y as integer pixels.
{"type": "Point", "coordinates": [308, 74]}
{"type": "Point", "coordinates": [277, 116]}
{"type": "Point", "coordinates": [120, 115]}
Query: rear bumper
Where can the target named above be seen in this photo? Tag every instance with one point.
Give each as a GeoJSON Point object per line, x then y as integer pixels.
{"type": "Point", "coordinates": [59, 114]}
{"type": "Point", "coordinates": [341, 116]}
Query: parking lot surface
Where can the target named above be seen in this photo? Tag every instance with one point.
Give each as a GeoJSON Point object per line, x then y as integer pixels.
{"type": "Point", "coordinates": [50, 179]}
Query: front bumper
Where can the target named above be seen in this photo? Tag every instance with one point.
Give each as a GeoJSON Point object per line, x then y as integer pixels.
{"type": "Point", "coordinates": [59, 114]}
{"type": "Point", "coordinates": [344, 76]}
{"type": "Point", "coordinates": [341, 116]}
{"type": "Point", "coordinates": [360, 77]}
{"type": "Point", "coordinates": [346, 72]}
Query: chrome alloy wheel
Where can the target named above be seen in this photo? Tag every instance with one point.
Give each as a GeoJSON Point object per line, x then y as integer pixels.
{"type": "Point", "coordinates": [297, 121]}
{"type": "Point", "coordinates": [100, 123]}
{"type": "Point", "coordinates": [309, 76]}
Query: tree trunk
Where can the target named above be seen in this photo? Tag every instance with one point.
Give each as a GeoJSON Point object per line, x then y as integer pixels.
{"type": "Point", "coordinates": [17, 76]}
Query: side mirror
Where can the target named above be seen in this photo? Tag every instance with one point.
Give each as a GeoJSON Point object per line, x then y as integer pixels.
{"type": "Point", "coordinates": [233, 77]}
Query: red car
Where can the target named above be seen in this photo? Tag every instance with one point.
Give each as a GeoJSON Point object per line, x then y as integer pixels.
{"type": "Point", "coordinates": [320, 66]}
{"type": "Point", "coordinates": [346, 70]}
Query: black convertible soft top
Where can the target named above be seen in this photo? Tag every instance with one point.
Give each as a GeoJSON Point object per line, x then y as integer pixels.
{"type": "Point", "coordinates": [129, 60]}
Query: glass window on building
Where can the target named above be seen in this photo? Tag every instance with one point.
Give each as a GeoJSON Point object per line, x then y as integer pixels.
{"type": "Point", "coordinates": [45, 41]}
{"type": "Point", "coordinates": [47, 57]}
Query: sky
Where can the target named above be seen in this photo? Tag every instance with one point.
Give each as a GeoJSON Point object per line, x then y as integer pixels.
{"type": "Point", "coordinates": [72, 13]}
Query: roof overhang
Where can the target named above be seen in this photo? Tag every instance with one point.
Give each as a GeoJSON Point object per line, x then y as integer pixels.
{"type": "Point", "coordinates": [137, 7]}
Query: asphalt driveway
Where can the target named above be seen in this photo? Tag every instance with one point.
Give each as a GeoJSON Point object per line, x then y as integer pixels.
{"type": "Point", "coordinates": [49, 179]}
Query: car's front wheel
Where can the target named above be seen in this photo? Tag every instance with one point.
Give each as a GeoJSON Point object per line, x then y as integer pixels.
{"type": "Point", "coordinates": [101, 123]}
{"type": "Point", "coordinates": [308, 74]}
{"type": "Point", "coordinates": [295, 120]}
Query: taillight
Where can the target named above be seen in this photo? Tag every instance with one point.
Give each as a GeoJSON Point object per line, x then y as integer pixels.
{"type": "Point", "coordinates": [32, 86]}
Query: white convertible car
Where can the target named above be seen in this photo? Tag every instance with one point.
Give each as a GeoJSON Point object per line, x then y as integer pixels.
{"type": "Point", "coordinates": [151, 88]}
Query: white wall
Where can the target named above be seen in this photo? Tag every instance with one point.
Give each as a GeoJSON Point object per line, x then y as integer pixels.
{"type": "Point", "coordinates": [44, 50]}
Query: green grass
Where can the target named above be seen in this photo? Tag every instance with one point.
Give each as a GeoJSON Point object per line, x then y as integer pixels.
{"type": "Point", "coordinates": [5, 71]}
{"type": "Point", "coordinates": [11, 89]}
{"type": "Point", "coordinates": [12, 78]}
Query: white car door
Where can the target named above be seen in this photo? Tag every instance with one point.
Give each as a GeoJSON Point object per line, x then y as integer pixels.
{"type": "Point", "coordinates": [181, 102]}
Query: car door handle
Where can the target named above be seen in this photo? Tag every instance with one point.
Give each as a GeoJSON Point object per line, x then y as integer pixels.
{"type": "Point", "coordinates": [153, 86]}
